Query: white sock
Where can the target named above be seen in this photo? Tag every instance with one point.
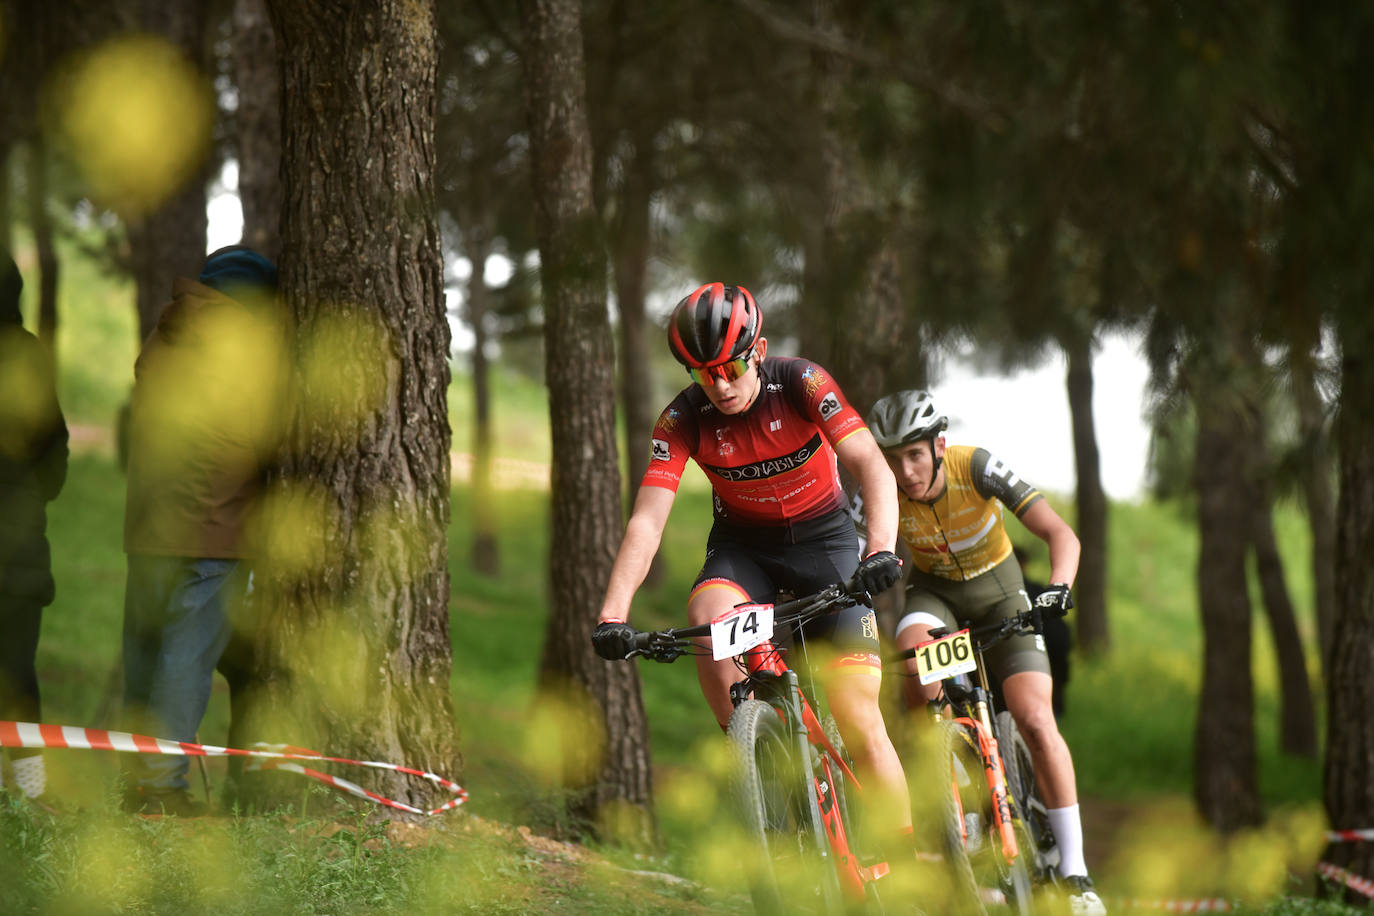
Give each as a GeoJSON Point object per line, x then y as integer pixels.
{"type": "Point", "coordinates": [1067, 828]}
{"type": "Point", "coordinates": [29, 775]}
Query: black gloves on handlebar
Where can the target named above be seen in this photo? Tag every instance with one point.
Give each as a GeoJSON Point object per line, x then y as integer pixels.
{"type": "Point", "coordinates": [879, 571]}
{"type": "Point", "coordinates": [613, 640]}
{"type": "Point", "coordinates": [1055, 600]}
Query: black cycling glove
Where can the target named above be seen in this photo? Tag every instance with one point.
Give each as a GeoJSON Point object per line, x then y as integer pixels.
{"type": "Point", "coordinates": [879, 571]}
{"type": "Point", "coordinates": [1055, 599]}
{"type": "Point", "coordinates": [613, 640]}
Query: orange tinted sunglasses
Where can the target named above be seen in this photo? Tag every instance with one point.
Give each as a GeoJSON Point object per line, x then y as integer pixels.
{"type": "Point", "coordinates": [728, 371]}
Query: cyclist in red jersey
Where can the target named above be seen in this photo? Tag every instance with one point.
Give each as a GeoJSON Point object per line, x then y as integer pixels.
{"type": "Point", "coordinates": [768, 434]}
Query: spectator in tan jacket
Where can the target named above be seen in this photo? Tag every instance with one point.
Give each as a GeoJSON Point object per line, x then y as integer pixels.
{"type": "Point", "coordinates": [202, 429]}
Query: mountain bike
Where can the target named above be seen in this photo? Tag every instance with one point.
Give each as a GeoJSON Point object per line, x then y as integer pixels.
{"type": "Point", "coordinates": [791, 779]}
{"type": "Point", "coordinates": [995, 831]}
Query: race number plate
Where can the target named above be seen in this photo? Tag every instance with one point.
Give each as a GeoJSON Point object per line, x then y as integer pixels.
{"type": "Point", "coordinates": [740, 629]}
{"type": "Point", "coordinates": [945, 657]}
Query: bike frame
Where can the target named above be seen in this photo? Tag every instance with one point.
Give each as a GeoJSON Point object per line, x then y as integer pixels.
{"type": "Point", "coordinates": [765, 666]}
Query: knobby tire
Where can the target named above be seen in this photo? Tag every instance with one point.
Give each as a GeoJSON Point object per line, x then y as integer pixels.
{"type": "Point", "coordinates": [968, 899]}
{"type": "Point", "coordinates": [775, 797]}
{"type": "Point", "coordinates": [1027, 804]}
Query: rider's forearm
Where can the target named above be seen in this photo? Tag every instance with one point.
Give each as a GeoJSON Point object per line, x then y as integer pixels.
{"type": "Point", "coordinates": [1064, 553]}
{"type": "Point", "coordinates": [879, 489]}
{"type": "Point", "coordinates": [632, 561]}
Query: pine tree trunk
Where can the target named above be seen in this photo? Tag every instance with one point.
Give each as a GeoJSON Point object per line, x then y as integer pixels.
{"type": "Point", "coordinates": [169, 242]}
{"type": "Point", "coordinates": [1316, 484]}
{"type": "Point", "coordinates": [40, 222]}
{"type": "Point", "coordinates": [257, 126]}
{"type": "Point", "coordinates": [631, 238]}
{"type": "Point", "coordinates": [1298, 720]}
{"type": "Point", "coordinates": [1090, 588]}
{"type": "Point", "coordinates": [1226, 787]}
{"type": "Point", "coordinates": [586, 480]}
{"type": "Point", "coordinates": [854, 315]}
{"type": "Point", "coordinates": [6, 147]}
{"type": "Point", "coordinates": [1348, 777]}
{"type": "Point", "coordinates": [486, 558]}
{"type": "Point", "coordinates": [353, 639]}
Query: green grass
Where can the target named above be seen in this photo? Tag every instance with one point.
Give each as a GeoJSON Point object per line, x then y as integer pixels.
{"type": "Point", "coordinates": [1130, 715]}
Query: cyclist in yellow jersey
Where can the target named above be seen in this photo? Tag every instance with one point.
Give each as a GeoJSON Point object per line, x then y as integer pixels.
{"type": "Point", "coordinates": [950, 503]}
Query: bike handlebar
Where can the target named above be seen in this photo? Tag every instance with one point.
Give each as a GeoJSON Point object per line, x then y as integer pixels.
{"type": "Point", "coordinates": [670, 644]}
{"type": "Point", "coordinates": [989, 635]}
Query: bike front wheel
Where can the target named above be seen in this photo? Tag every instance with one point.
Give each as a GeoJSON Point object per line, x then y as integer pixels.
{"type": "Point", "coordinates": [775, 795]}
{"type": "Point", "coordinates": [1027, 806]}
{"type": "Point", "coordinates": [958, 776]}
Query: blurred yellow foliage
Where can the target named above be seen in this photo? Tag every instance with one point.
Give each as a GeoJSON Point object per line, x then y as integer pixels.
{"type": "Point", "coordinates": [27, 410]}
{"type": "Point", "coordinates": [219, 877]}
{"type": "Point", "coordinates": [107, 858]}
{"type": "Point", "coordinates": [346, 371]}
{"type": "Point", "coordinates": [292, 521]}
{"type": "Point", "coordinates": [564, 738]}
{"type": "Point", "coordinates": [136, 116]}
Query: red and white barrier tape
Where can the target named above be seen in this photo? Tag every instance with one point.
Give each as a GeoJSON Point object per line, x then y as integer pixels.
{"type": "Point", "coordinates": [1348, 878]}
{"type": "Point", "coordinates": [30, 734]}
{"type": "Point", "coordinates": [1206, 905]}
{"type": "Point", "coordinates": [1350, 836]}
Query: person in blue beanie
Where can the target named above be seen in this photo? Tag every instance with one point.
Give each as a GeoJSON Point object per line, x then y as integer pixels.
{"type": "Point", "coordinates": [203, 427]}
{"type": "Point", "coordinates": [33, 467]}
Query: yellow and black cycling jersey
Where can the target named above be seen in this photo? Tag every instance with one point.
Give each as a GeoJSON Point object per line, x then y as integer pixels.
{"type": "Point", "coordinates": [960, 534]}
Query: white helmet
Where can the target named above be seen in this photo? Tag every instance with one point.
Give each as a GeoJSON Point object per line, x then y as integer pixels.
{"type": "Point", "coordinates": [905, 417]}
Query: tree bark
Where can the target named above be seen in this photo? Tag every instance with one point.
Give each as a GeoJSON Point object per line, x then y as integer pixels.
{"type": "Point", "coordinates": [1297, 718]}
{"type": "Point", "coordinates": [6, 147]}
{"type": "Point", "coordinates": [1090, 588]}
{"type": "Point", "coordinates": [353, 636]}
{"type": "Point", "coordinates": [486, 558]}
{"type": "Point", "coordinates": [40, 222]}
{"type": "Point", "coordinates": [586, 481]}
{"type": "Point", "coordinates": [631, 238]}
{"type": "Point", "coordinates": [853, 311]}
{"type": "Point", "coordinates": [169, 241]}
{"type": "Point", "coordinates": [1226, 787]}
{"type": "Point", "coordinates": [257, 122]}
{"type": "Point", "coordinates": [1348, 777]}
{"type": "Point", "coordinates": [1316, 485]}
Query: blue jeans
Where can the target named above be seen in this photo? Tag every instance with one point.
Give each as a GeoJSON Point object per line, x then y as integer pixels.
{"type": "Point", "coordinates": [176, 624]}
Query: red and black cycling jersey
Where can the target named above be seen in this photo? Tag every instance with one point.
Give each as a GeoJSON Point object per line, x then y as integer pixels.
{"type": "Point", "coordinates": [770, 465]}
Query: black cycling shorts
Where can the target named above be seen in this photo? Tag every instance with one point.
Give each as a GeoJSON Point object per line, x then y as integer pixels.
{"type": "Point", "coordinates": [994, 596]}
{"type": "Point", "coordinates": [802, 559]}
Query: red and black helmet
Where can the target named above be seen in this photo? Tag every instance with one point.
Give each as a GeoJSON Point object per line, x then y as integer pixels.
{"type": "Point", "coordinates": [714, 324]}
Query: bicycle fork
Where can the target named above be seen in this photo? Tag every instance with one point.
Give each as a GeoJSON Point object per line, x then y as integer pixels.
{"type": "Point", "coordinates": [996, 778]}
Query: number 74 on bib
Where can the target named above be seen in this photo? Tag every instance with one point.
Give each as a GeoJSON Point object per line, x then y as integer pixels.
{"type": "Point", "coordinates": [740, 629]}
